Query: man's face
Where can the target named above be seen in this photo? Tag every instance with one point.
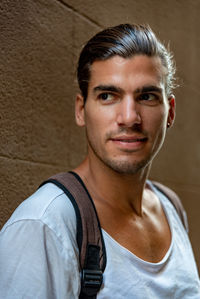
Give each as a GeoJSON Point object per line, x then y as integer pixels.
{"type": "Point", "coordinates": [126, 112]}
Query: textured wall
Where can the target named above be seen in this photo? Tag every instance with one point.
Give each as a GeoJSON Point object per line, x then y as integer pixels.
{"type": "Point", "coordinates": [39, 44]}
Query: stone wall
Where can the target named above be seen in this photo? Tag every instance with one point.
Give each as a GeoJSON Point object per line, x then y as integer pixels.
{"type": "Point", "coordinates": [39, 45]}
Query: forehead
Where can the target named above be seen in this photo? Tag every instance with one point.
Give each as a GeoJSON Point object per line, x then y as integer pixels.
{"type": "Point", "coordinates": [134, 71]}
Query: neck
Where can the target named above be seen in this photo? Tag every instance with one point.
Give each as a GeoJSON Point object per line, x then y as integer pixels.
{"type": "Point", "coordinates": [107, 187]}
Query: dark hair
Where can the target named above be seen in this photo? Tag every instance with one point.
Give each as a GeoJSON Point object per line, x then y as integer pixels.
{"type": "Point", "coordinates": [124, 40]}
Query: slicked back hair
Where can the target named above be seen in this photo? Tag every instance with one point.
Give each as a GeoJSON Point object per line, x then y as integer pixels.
{"type": "Point", "coordinates": [124, 40]}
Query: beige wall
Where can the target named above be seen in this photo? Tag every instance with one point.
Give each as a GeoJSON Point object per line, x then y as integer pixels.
{"type": "Point", "coordinates": [39, 44]}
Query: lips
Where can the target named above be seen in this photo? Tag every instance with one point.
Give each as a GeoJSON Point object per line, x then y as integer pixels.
{"type": "Point", "coordinates": [129, 139]}
{"type": "Point", "coordinates": [129, 143]}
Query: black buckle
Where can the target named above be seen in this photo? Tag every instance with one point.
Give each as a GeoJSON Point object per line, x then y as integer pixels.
{"type": "Point", "coordinates": [91, 281]}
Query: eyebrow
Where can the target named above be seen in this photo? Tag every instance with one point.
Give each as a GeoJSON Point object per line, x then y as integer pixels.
{"type": "Point", "coordinates": [149, 88]}
{"type": "Point", "coordinates": [111, 88]}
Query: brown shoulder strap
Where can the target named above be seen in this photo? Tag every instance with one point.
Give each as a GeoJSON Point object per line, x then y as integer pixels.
{"type": "Point", "coordinates": [175, 200]}
{"type": "Point", "coordinates": [89, 235]}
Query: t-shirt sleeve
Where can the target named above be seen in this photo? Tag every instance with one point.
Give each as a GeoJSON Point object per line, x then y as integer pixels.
{"type": "Point", "coordinates": [35, 263]}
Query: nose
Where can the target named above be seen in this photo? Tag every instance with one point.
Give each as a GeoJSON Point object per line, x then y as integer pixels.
{"type": "Point", "coordinates": [128, 113]}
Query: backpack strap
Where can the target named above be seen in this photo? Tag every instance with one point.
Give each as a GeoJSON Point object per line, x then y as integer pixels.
{"type": "Point", "coordinates": [175, 200]}
{"type": "Point", "coordinates": [92, 253]}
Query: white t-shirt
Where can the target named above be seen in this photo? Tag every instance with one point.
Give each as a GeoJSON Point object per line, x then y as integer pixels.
{"type": "Point", "coordinates": [39, 256]}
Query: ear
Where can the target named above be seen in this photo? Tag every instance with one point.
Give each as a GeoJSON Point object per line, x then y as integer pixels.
{"type": "Point", "coordinates": [80, 110]}
{"type": "Point", "coordinates": [172, 111]}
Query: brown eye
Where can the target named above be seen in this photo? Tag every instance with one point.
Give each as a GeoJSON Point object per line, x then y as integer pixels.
{"type": "Point", "coordinates": [148, 97]}
{"type": "Point", "coordinates": [106, 96]}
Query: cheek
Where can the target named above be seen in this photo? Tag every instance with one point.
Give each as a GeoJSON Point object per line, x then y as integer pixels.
{"type": "Point", "coordinates": [100, 118]}
{"type": "Point", "coordinates": [161, 126]}
{"type": "Point", "coordinates": [95, 127]}
{"type": "Point", "coordinates": [156, 122]}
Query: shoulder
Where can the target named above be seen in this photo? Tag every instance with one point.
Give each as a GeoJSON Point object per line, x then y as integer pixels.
{"type": "Point", "coordinates": [38, 243]}
{"type": "Point", "coordinates": [48, 206]}
{"type": "Point", "coordinates": [46, 217]}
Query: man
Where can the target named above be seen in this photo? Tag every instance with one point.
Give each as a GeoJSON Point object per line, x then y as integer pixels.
{"type": "Point", "coordinates": [126, 106]}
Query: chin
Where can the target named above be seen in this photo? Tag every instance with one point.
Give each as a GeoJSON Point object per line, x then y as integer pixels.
{"type": "Point", "coordinates": [127, 167]}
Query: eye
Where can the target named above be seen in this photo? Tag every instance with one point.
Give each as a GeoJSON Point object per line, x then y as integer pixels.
{"type": "Point", "coordinates": [149, 98]}
{"type": "Point", "coordinates": [105, 96]}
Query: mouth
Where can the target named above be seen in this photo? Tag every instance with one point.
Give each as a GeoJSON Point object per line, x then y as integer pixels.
{"type": "Point", "coordinates": [129, 139]}
{"type": "Point", "coordinates": [129, 143]}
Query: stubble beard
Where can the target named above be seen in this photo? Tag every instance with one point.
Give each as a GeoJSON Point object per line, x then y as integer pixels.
{"type": "Point", "coordinates": [123, 167]}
